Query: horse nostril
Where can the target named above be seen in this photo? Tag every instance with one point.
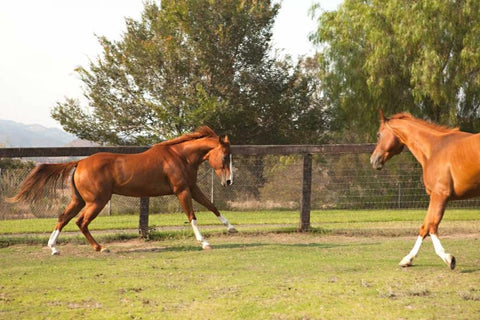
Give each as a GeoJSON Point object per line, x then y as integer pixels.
{"type": "Point", "coordinates": [229, 182]}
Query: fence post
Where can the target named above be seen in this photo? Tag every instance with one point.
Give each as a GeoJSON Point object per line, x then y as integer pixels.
{"type": "Point", "coordinates": [143, 223]}
{"type": "Point", "coordinates": [212, 173]}
{"type": "Point", "coordinates": [306, 194]}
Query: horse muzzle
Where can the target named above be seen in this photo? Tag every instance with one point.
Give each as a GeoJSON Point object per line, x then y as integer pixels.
{"type": "Point", "coordinates": [226, 180]}
{"type": "Point", "coordinates": [376, 160]}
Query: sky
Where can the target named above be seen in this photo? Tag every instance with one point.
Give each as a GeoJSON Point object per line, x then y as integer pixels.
{"type": "Point", "coordinates": [42, 42]}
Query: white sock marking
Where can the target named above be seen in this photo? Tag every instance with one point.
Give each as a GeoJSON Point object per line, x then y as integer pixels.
{"type": "Point", "coordinates": [198, 235]}
{"type": "Point", "coordinates": [439, 248]}
{"type": "Point", "coordinates": [416, 247]}
{"type": "Point", "coordinates": [225, 222]}
{"type": "Point", "coordinates": [407, 260]}
{"type": "Point", "coordinates": [52, 242]}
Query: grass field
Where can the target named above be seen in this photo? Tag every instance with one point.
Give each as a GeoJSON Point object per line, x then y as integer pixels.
{"type": "Point", "coordinates": [345, 269]}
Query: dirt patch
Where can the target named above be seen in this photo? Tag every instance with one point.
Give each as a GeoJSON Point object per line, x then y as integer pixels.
{"type": "Point", "coordinates": [217, 241]}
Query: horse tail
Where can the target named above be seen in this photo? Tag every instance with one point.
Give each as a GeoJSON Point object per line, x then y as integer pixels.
{"type": "Point", "coordinates": [44, 176]}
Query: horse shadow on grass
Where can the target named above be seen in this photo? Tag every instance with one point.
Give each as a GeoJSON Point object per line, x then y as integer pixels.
{"type": "Point", "coordinates": [241, 246]}
{"type": "Point", "coordinates": [471, 270]}
{"type": "Point", "coordinates": [191, 248]}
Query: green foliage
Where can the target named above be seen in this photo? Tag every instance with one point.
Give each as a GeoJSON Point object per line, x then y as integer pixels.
{"type": "Point", "coordinates": [194, 63]}
{"type": "Point", "coordinates": [417, 56]}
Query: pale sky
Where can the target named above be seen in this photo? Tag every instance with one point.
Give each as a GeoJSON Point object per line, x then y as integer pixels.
{"type": "Point", "coordinates": [42, 42]}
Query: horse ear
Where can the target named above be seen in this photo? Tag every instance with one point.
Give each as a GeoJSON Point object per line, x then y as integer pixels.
{"type": "Point", "coordinates": [382, 117]}
{"type": "Point", "coordinates": [223, 140]}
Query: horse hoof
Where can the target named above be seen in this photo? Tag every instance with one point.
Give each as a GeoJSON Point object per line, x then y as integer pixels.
{"type": "Point", "coordinates": [55, 252]}
{"type": "Point", "coordinates": [451, 261]}
{"type": "Point", "coordinates": [232, 230]}
{"type": "Point", "coordinates": [207, 247]}
{"type": "Point", "coordinates": [406, 262]}
{"type": "Point", "coordinates": [104, 250]}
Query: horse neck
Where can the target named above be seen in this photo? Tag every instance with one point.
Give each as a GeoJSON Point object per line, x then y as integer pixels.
{"type": "Point", "coordinates": [418, 138]}
{"type": "Point", "coordinates": [195, 151]}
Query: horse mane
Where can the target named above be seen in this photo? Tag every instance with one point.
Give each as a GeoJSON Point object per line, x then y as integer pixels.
{"type": "Point", "coordinates": [433, 126]}
{"type": "Point", "coordinates": [201, 132]}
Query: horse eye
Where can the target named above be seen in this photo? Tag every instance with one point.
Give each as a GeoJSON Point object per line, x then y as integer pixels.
{"type": "Point", "coordinates": [378, 135]}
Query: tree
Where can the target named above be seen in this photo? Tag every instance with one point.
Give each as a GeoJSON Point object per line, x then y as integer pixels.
{"type": "Point", "coordinates": [418, 56]}
{"type": "Point", "coordinates": [192, 63]}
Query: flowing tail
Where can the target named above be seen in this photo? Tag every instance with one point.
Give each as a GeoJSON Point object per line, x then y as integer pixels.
{"type": "Point", "coordinates": [43, 176]}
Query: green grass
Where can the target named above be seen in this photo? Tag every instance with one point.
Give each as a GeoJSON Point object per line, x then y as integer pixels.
{"type": "Point", "coordinates": [287, 276]}
{"type": "Point", "coordinates": [347, 269]}
{"type": "Point", "coordinates": [330, 217]}
{"type": "Point", "coordinates": [342, 222]}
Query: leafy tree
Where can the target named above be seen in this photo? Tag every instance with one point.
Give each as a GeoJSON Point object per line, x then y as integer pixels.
{"type": "Point", "coordinates": [192, 63]}
{"type": "Point", "coordinates": [419, 56]}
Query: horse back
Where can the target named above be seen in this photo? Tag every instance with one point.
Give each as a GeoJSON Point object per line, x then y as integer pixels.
{"type": "Point", "coordinates": [103, 174]}
{"type": "Point", "coordinates": [141, 174]}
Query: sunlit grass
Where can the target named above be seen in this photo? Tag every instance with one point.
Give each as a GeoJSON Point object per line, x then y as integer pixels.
{"type": "Point", "coordinates": [262, 276]}
{"type": "Point", "coordinates": [330, 217]}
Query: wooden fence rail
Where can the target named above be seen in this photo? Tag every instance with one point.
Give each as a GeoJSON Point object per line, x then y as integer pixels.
{"type": "Point", "coordinates": [249, 150]}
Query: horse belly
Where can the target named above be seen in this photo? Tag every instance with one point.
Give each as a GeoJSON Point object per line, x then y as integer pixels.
{"type": "Point", "coordinates": [139, 178]}
{"type": "Point", "coordinates": [466, 184]}
{"type": "Point", "coordinates": [143, 186]}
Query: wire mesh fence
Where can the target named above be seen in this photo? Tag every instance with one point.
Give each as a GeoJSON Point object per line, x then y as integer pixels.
{"type": "Point", "coordinates": [271, 182]}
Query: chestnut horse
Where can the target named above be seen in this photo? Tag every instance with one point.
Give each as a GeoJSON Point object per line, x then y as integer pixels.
{"type": "Point", "coordinates": [450, 160]}
{"type": "Point", "coordinates": [168, 167]}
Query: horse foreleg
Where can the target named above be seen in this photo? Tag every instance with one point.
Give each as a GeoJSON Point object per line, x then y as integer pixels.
{"type": "Point", "coordinates": [198, 235]}
{"type": "Point", "coordinates": [440, 251]}
{"type": "Point", "coordinates": [438, 204]}
{"type": "Point", "coordinates": [408, 259]}
{"type": "Point", "coordinates": [434, 216]}
{"type": "Point", "coordinates": [185, 199]}
{"type": "Point", "coordinates": [198, 196]}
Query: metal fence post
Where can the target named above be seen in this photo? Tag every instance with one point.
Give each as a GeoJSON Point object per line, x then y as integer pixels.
{"type": "Point", "coordinates": [306, 194]}
{"type": "Point", "coordinates": [212, 173]}
{"type": "Point", "coordinates": [143, 223]}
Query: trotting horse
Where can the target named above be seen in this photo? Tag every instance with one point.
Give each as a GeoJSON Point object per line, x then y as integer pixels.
{"type": "Point", "coordinates": [450, 160]}
{"type": "Point", "coordinates": [168, 167]}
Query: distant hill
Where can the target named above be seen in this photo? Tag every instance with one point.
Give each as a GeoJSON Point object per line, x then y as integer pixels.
{"type": "Point", "coordinates": [14, 134]}
{"type": "Point", "coordinates": [80, 143]}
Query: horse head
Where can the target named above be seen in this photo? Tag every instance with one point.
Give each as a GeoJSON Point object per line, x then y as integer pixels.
{"type": "Point", "coordinates": [220, 159]}
{"type": "Point", "coordinates": [388, 144]}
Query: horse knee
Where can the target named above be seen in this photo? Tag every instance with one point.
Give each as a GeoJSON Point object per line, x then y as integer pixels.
{"type": "Point", "coordinates": [432, 229]}
{"type": "Point", "coordinates": [423, 231]}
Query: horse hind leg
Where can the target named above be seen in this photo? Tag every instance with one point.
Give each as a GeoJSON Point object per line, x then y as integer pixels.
{"type": "Point", "coordinates": [91, 212]}
{"type": "Point", "coordinates": [70, 211]}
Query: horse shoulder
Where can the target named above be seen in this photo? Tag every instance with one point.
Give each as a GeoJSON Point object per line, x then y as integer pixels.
{"type": "Point", "coordinates": [437, 176]}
